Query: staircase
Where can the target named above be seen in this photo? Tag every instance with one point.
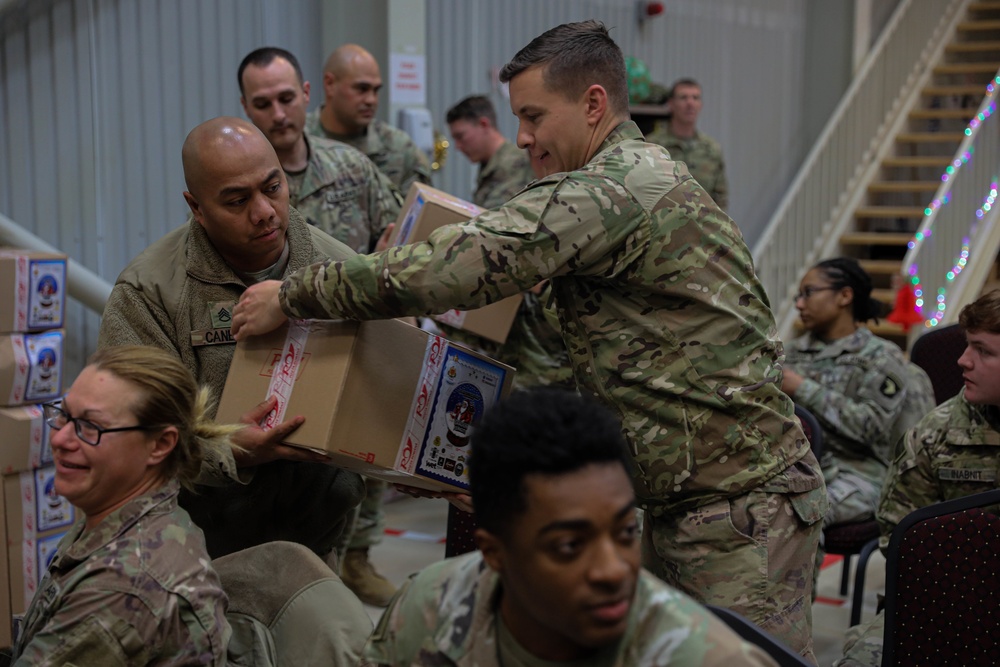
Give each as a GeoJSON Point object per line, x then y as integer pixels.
{"type": "Point", "coordinates": [898, 199]}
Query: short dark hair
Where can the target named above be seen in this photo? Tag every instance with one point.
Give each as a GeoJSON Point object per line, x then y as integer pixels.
{"type": "Point", "coordinates": [982, 315]}
{"type": "Point", "coordinates": [847, 272]}
{"type": "Point", "coordinates": [576, 56]}
{"type": "Point", "coordinates": [263, 57]}
{"type": "Point", "coordinates": [473, 108]}
{"type": "Point", "coordinates": [686, 81]}
{"type": "Point", "coordinates": [544, 431]}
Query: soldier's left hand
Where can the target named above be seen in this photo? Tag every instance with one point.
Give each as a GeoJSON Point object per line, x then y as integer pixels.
{"type": "Point", "coordinates": [258, 310]}
{"type": "Point", "coordinates": [790, 381]}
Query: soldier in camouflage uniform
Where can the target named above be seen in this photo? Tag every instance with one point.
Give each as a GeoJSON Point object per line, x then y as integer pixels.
{"type": "Point", "coordinates": [534, 345]}
{"type": "Point", "coordinates": [862, 390]}
{"type": "Point", "coordinates": [504, 169]}
{"type": "Point", "coordinates": [178, 295]}
{"type": "Point", "coordinates": [351, 83]}
{"type": "Point", "coordinates": [953, 452]}
{"type": "Point", "coordinates": [662, 314]}
{"type": "Point", "coordinates": [333, 185]}
{"type": "Point", "coordinates": [131, 582]}
{"type": "Point", "coordinates": [680, 136]}
{"type": "Point", "coordinates": [558, 578]}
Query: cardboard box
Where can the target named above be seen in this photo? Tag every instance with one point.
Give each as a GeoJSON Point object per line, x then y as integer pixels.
{"type": "Point", "coordinates": [426, 209]}
{"type": "Point", "coordinates": [383, 398]}
{"type": "Point", "coordinates": [35, 519]}
{"type": "Point", "coordinates": [32, 290]}
{"type": "Point", "coordinates": [25, 443]}
{"type": "Point", "coordinates": [31, 367]}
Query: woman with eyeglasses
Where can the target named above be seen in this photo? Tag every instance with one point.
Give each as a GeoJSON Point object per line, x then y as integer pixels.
{"type": "Point", "coordinates": [131, 583]}
{"type": "Point", "coordinates": [860, 387]}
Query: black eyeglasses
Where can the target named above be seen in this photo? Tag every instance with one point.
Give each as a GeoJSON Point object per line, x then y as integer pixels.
{"type": "Point", "coordinates": [87, 431]}
{"type": "Point", "coordinates": [809, 290]}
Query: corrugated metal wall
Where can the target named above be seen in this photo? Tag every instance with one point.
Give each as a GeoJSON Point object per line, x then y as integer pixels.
{"type": "Point", "coordinates": [96, 97]}
{"type": "Point", "coordinates": [747, 54]}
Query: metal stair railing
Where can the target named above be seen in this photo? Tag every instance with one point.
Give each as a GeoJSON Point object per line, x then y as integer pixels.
{"type": "Point", "coordinates": [957, 241]}
{"type": "Point", "coordinates": [819, 203]}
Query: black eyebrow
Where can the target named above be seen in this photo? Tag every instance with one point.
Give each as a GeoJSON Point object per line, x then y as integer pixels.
{"type": "Point", "coordinates": [583, 524]}
{"type": "Point", "coordinates": [226, 192]}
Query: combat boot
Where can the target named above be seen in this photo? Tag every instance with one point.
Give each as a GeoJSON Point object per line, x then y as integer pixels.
{"type": "Point", "coordinates": [360, 576]}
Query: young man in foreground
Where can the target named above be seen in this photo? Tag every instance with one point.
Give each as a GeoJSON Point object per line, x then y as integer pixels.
{"type": "Point", "coordinates": [557, 577]}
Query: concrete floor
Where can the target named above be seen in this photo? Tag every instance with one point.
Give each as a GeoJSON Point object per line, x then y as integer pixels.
{"type": "Point", "coordinates": [421, 542]}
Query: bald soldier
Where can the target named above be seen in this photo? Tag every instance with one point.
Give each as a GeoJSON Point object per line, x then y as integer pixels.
{"type": "Point", "coordinates": [179, 295]}
{"type": "Point", "coordinates": [351, 84]}
{"type": "Point", "coordinates": [663, 316]}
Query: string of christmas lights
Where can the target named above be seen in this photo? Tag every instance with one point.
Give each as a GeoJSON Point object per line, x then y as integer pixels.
{"type": "Point", "coordinates": [963, 258]}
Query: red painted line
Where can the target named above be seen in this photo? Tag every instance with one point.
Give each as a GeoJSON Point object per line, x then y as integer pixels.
{"type": "Point", "coordinates": [833, 602]}
{"type": "Point", "coordinates": [415, 536]}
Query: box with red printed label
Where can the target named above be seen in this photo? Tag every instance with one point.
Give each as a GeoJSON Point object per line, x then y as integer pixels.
{"type": "Point", "coordinates": [426, 209]}
{"type": "Point", "coordinates": [31, 367]}
{"type": "Point", "coordinates": [383, 398]}
{"type": "Point", "coordinates": [25, 443]}
{"type": "Point", "coordinates": [35, 519]}
{"type": "Point", "coordinates": [32, 290]}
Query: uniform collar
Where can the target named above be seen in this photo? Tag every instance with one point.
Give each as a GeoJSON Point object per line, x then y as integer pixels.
{"type": "Point", "coordinates": [205, 264]}
{"type": "Point", "coordinates": [117, 523]}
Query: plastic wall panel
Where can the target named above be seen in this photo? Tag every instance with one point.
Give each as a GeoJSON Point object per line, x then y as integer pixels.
{"type": "Point", "coordinates": [747, 54]}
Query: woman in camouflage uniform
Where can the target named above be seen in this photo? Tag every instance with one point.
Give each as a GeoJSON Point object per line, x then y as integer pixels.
{"type": "Point", "coordinates": [861, 388]}
{"type": "Point", "coordinates": [131, 581]}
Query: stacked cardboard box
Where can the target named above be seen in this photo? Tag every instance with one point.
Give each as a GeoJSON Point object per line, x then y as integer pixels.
{"type": "Point", "coordinates": [33, 518]}
{"type": "Point", "coordinates": [426, 209]}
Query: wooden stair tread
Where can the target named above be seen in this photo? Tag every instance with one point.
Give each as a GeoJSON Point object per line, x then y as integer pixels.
{"type": "Point", "coordinates": [886, 329]}
{"type": "Point", "coordinates": [904, 186]}
{"type": "Point", "coordinates": [984, 6]}
{"type": "Point", "coordinates": [875, 238]}
{"type": "Point", "coordinates": [978, 26]}
{"type": "Point", "coordinates": [930, 137]}
{"type": "Point", "coordinates": [967, 68]}
{"type": "Point", "coordinates": [959, 114]}
{"type": "Point", "coordinates": [889, 212]}
{"type": "Point", "coordinates": [881, 266]}
{"type": "Point", "coordinates": [917, 161]}
{"type": "Point", "coordinates": [958, 89]}
{"type": "Point", "coordinates": [973, 47]}
{"type": "Point", "coordinates": [884, 294]}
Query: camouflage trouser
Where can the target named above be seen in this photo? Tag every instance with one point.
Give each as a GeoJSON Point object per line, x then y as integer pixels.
{"type": "Point", "coordinates": [753, 554]}
{"type": "Point", "coordinates": [852, 498]}
{"type": "Point", "coordinates": [863, 644]}
{"type": "Point", "coordinates": [369, 519]}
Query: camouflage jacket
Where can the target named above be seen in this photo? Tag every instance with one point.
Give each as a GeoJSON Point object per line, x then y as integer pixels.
{"type": "Point", "coordinates": [137, 589]}
{"type": "Point", "coordinates": [502, 177]}
{"type": "Point", "coordinates": [662, 314]}
{"type": "Point", "coordinates": [344, 194]}
{"type": "Point", "coordinates": [391, 149]}
{"type": "Point", "coordinates": [178, 295]}
{"type": "Point", "coordinates": [534, 345]}
{"type": "Point", "coordinates": [865, 395]}
{"type": "Point", "coordinates": [953, 452]}
{"type": "Point", "coordinates": [446, 615]}
{"type": "Point", "coordinates": [703, 157]}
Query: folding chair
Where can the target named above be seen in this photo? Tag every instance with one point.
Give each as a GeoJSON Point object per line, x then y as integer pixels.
{"type": "Point", "coordinates": [942, 596]}
{"type": "Point", "coordinates": [784, 656]}
{"type": "Point", "coordinates": [937, 352]}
